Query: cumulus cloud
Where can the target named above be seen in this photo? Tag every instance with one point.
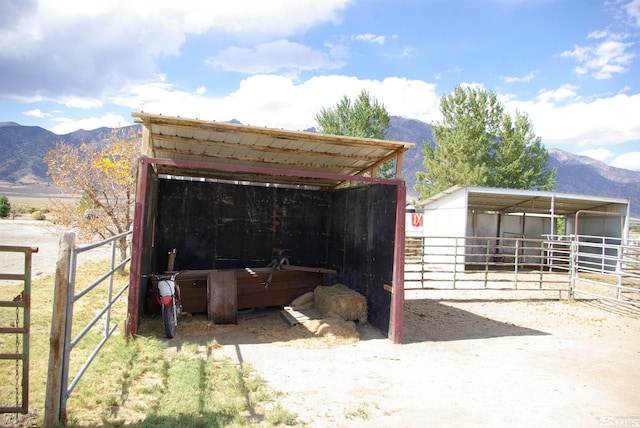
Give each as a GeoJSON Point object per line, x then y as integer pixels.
{"type": "Point", "coordinates": [584, 122]}
{"type": "Point", "coordinates": [66, 125]}
{"type": "Point", "coordinates": [283, 102]}
{"type": "Point", "coordinates": [88, 48]}
{"type": "Point", "coordinates": [36, 113]}
{"type": "Point", "coordinates": [609, 55]}
{"type": "Point", "coordinates": [598, 154]}
{"type": "Point", "coordinates": [563, 93]}
{"type": "Point", "coordinates": [273, 56]}
{"type": "Point", "coordinates": [629, 160]}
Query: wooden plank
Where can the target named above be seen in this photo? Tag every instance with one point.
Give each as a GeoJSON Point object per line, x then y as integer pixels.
{"type": "Point", "coordinates": [222, 297]}
{"type": "Point", "coordinates": [285, 287]}
{"type": "Point", "coordinates": [293, 317]}
{"type": "Point", "coordinates": [308, 269]}
{"type": "Point", "coordinates": [288, 318]}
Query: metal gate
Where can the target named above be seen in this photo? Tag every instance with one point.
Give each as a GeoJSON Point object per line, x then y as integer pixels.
{"type": "Point", "coordinates": [20, 354]}
{"type": "Point", "coordinates": [605, 269]}
{"type": "Point", "coordinates": [58, 385]}
{"type": "Point", "coordinates": [487, 263]}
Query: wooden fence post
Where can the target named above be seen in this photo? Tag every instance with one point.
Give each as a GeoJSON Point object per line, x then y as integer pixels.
{"type": "Point", "coordinates": [55, 389]}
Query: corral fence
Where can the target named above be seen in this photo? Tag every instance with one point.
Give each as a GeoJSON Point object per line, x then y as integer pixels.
{"type": "Point", "coordinates": [62, 325]}
{"type": "Point", "coordinates": [597, 267]}
{"type": "Point", "coordinates": [18, 326]}
{"type": "Point", "coordinates": [605, 268]}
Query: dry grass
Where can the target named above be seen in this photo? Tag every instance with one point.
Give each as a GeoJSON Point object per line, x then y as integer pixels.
{"type": "Point", "coordinates": [134, 382]}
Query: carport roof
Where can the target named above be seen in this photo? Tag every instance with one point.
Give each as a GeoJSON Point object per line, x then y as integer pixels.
{"type": "Point", "coordinates": [229, 151]}
{"type": "Point", "coordinates": [531, 201]}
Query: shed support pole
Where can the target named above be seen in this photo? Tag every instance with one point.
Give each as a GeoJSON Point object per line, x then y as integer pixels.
{"type": "Point", "coordinates": [136, 249]}
{"type": "Point", "coordinates": [397, 297]}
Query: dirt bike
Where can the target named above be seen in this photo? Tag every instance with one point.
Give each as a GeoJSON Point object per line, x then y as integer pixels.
{"type": "Point", "coordinates": [168, 297]}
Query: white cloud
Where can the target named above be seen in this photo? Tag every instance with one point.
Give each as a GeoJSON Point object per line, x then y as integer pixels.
{"type": "Point", "coordinates": [89, 48]}
{"type": "Point", "coordinates": [201, 90]}
{"type": "Point", "coordinates": [633, 11]}
{"type": "Point", "coordinates": [564, 93]}
{"type": "Point", "coordinates": [372, 38]}
{"type": "Point", "coordinates": [82, 103]}
{"type": "Point", "coordinates": [36, 113]}
{"type": "Point", "coordinates": [604, 59]}
{"type": "Point", "coordinates": [598, 154]}
{"type": "Point", "coordinates": [512, 79]}
{"type": "Point", "coordinates": [271, 57]}
{"type": "Point", "coordinates": [406, 52]}
{"type": "Point", "coordinates": [68, 125]}
{"type": "Point", "coordinates": [282, 102]}
{"type": "Point", "coordinates": [629, 160]}
{"type": "Point", "coordinates": [584, 123]}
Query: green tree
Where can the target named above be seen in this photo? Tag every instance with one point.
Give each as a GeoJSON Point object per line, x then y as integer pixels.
{"type": "Point", "coordinates": [365, 118]}
{"type": "Point", "coordinates": [478, 144]}
{"type": "Point", "coordinates": [5, 207]}
{"type": "Point", "coordinates": [103, 175]}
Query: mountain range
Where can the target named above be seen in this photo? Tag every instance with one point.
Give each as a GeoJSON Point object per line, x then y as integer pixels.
{"type": "Point", "coordinates": [27, 146]}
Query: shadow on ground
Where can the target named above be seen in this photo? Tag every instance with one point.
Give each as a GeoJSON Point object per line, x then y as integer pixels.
{"type": "Point", "coordinates": [433, 321]}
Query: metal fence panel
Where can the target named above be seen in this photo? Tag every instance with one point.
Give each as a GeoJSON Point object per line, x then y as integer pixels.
{"type": "Point", "coordinates": [22, 302]}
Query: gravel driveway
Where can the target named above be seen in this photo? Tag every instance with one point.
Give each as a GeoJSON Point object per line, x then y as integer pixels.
{"type": "Point", "coordinates": [40, 234]}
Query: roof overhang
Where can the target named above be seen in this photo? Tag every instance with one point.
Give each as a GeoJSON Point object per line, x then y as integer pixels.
{"type": "Point", "coordinates": [229, 151]}
{"type": "Point", "coordinates": [507, 201]}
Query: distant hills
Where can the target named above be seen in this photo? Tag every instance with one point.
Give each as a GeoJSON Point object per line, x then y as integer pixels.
{"type": "Point", "coordinates": [25, 147]}
{"type": "Point", "coordinates": [576, 174]}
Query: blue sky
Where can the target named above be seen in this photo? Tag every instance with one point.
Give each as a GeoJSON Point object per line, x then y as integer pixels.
{"type": "Point", "coordinates": [572, 65]}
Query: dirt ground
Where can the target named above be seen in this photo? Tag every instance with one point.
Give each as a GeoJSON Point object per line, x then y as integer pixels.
{"type": "Point", "coordinates": [469, 359]}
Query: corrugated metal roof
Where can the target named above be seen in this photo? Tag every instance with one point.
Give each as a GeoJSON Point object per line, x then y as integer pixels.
{"type": "Point", "coordinates": [532, 201]}
{"type": "Point", "coordinates": [204, 144]}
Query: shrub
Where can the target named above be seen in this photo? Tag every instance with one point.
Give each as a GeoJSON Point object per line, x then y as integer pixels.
{"type": "Point", "coordinates": [38, 215]}
{"type": "Point", "coordinates": [5, 207]}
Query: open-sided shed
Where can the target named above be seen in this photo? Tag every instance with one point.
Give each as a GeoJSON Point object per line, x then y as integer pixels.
{"type": "Point", "coordinates": [483, 211]}
{"type": "Point", "coordinates": [224, 195]}
{"type": "Point", "coordinates": [514, 213]}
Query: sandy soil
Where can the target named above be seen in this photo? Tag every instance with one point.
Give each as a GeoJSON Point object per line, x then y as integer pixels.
{"type": "Point", "coordinates": [469, 359]}
{"type": "Point", "coordinates": [36, 194]}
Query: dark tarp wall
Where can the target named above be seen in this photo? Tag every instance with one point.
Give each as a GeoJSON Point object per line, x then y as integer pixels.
{"type": "Point", "coordinates": [362, 244]}
{"type": "Point", "coordinates": [227, 226]}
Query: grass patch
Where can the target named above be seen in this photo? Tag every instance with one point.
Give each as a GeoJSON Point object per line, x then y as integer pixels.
{"type": "Point", "coordinates": [359, 413]}
{"type": "Point", "coordinates": [138, 382]}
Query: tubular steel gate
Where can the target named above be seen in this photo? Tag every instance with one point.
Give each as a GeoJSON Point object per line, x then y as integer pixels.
{"type": "Point", "coordinates": [592, 266]}
{"type": "Point", "coordinates": [606, 269]}
{"type": "Point", "coordinates": [58, 386]}
{"type": "Point", "coordinates": [487, 263]}
{"type": "Point", "coordinates": [21, 352]}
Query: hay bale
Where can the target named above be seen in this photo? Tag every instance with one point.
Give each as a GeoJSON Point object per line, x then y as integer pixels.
{"type": "Point", "coordinates": [342, 301]}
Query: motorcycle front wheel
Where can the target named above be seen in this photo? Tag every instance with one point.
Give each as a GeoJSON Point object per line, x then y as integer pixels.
{"type": "Point", "coordinates": [169, 320]}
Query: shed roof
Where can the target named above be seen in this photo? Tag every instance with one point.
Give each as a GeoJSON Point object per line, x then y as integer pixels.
{"type": "Point", "coordinates": [198, 146]}
{"type": "Point", "coordinates": [532, 201]}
